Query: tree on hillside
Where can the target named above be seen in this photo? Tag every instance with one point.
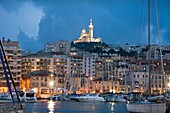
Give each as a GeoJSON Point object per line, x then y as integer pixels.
{"type": "Point", "coordinates": [111, 51]}
{"type": "Point", "coordinates": [132, 54]}
{"type": "Point", "coordinates": [97, 50]}
{"type": "Point", "coordinates": [122, 52]}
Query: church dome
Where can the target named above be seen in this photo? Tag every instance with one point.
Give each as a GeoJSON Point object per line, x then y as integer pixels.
{"type": "Point", "coordinates": [83, 31]}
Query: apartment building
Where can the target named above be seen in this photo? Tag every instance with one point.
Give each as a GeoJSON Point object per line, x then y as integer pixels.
{"type": "Point", "coordinates": [138, 81]}
{"type": "Point", "coordinates": [37, 61]}
{"type": "Point", "coordinates": [13, 55]}
{"type": "Point", "coordinates": [105, 73]}
{"type": "Point", "coordinates": [139, 75]}
{"type": "Point", "coordinates": [81, 65]}
{"type": "Point", "coordinates": [59, 46]}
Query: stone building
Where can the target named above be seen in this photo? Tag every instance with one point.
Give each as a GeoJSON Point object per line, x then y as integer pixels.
{"type": "Point", "coordinates": [87, 36]}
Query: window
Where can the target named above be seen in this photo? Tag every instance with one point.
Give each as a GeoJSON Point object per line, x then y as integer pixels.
{"type": "Point", "coordinates": [34, 84]}
{"type": "Point", "coordinates": [36, 78]}
{"type": "Point", "coordinates": [152, 85]}
{"type": "Point", "coordinates": [42, 84]}
{"type": "Point", "coordinates": [155, 85]}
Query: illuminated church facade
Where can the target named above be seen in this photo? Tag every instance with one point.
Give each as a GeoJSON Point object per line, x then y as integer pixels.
{"type": "Point", "coordinates": [87, 36]}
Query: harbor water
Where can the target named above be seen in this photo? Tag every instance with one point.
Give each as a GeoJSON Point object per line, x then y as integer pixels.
{"type": "Point", "coordinates": [46, 106]}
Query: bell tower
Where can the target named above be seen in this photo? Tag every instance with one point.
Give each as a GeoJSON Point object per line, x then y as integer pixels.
{"type": "Point", "coordinates": [91, 30]}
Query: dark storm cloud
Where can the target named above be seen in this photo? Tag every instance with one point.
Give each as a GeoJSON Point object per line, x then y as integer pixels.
{"type": "Point", "coordinates": [65, 19]}
{"type": "Point", "coordinates": [27, 43]}
{"type": "Point", "coordinates": [17, 16]}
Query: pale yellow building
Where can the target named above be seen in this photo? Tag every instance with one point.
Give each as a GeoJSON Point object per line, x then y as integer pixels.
{"type": "Point", "coordinates": [46, 83]}
{"type": "Point", "coordinates": [42, 82]}
{"type": "Point", "coordinates": [52, 61]}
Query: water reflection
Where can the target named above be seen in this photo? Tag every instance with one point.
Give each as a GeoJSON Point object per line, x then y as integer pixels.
{"type": "Point", "coordinates": [74, 107]}
{"type": "Point", "coordinates": [51, 105]}
{"type": "Point", "coordinates": [112, 106]}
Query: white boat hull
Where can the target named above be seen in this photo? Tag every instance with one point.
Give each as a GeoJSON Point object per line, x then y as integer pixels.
{"type": "Point", "coordinates": [33, 99]}
{"type": "Point", "coordinates": [146, 107]}
{"type": "Point", "coordinates": [30, 96]}
{"type": "Point", "coordinates": [88, 99]}
{"type": "Point", "coordinates": [5, 100]}
{"type": "Point", "coordinates": [5, 97]}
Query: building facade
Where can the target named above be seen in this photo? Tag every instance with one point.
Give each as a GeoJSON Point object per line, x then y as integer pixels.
{"type": "Point", "coordinates": [43, 82]}
{"type": "Point", "coordinates": [59, 46]}
{"type": "Point", "coordinates": [13, 55]}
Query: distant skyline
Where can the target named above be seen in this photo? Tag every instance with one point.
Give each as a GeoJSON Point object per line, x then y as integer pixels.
{"type": "Point", "coordinates": [36, 22]}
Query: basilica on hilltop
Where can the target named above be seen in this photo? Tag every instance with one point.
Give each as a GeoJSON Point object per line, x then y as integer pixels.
{"type": "Point", "coordinates": [87, 36]}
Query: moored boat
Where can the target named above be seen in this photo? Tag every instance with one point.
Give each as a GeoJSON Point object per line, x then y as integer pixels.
{"type": "Point", "coordinates": [120, 98]}
{"type": "Point", "coordinates": [146, 107]}
{"type": "Point", "coordinates": [54, 98]}
{"type": "Point", "coordinates": [88, 98]}
{"type": "Point", "coordinates": [21, 95]}
{"type": "Point", "coordinates": [30, 96]}
{"type": "Point", "coordinates": [5, 97]}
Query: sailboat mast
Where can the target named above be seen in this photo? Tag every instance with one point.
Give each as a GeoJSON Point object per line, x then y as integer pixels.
{"type": "Point", "coordinates": [159, 40]}
{"type": "Point", "coordinates": [149, 50]}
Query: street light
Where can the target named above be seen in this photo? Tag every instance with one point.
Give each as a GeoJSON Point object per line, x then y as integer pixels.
{"type": "Point", "coordinates": [51, 83]}
{"type": "Point", "coordinates": [91, 78]}
{"type": "Point", "coordinates": [51, 75]}
{"type": "Point", "coordinates": [168, 85]}
{"type": "Point", "coordinates": [90, 83]}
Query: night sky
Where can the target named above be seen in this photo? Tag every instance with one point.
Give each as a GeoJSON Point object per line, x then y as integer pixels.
{"type": "Point", "coordinates": [35, 22]}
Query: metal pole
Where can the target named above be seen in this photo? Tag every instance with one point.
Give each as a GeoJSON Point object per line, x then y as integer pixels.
{"type": "Point", "coordinates": [149, 51]}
